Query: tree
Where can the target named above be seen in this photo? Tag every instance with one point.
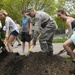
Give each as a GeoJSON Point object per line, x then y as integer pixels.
{"type": "Point", "coordinates": [14, 8]}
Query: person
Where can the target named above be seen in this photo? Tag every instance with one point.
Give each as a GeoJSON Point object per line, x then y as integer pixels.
{"type": "Point", "coordinates": [0, 28]}
{"type": "Point", "coordinates": [44, 25]}
{"type": "Point", "coordinates": [10, 27]}
{"type": "Point", "coordinates": [26, 30]}
{"type": "Point", "coordinates": [4, 29]}
{"type": "Point", "coordinates": [0, 24]}
{"type": "Point", "coordinates": [69, 44]}
{"type": "Point", "coordinates": [17, 38]}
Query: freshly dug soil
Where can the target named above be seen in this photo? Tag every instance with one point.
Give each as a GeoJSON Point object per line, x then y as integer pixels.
{"type": "Point", "coordinates": [38, 63]}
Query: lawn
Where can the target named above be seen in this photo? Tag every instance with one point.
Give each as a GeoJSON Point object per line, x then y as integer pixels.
{"type": "Point", "coordinates": [68, 58]}
{"type": "Point", "coordinates": [59, 40]}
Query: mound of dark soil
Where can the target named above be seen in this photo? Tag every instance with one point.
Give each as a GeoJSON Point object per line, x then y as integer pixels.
{"type": "Point", "coordinates": [35, 64]}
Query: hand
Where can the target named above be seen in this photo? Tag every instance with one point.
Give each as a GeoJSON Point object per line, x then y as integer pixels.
{"type": "Point", "coordinates": [5, 40]}
{"type": "Point", "coordinates": [30, 32]}
{"type": "Point", "coordinates": [34, 41]}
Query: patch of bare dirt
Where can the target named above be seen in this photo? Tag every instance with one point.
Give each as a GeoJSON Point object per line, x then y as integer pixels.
{"type": "Point", "coordinates": [38, 63]}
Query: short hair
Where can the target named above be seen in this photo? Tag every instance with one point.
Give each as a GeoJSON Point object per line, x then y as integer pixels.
{"type": "Point", "coordinates": [24, 11]}
{"type": "Point", "coordinates": [62, 12]}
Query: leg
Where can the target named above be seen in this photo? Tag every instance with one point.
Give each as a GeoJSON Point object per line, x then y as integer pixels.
{"type": "Point", "coordinates": [43, 45]}
{"type": "Point", "coordinates": [47, 37]}
{"type": "Point", "coordinates": [9, 42]}
{"type": "Point", "coordinates": [29, 43]}
{"type": "Point", "coordinates": [28, 39]}
{"type": "Point", "coordinates": [72, 48]}
{"type": "Point", "coordinates": [50, 47]}
{"type": "Point", "coordinates": [68, 47]}
{"type": "Point", "coordinates": [46, 46]}
{"type": "Point", "coordinates": [13, 42]}
{"type": "Point", "coordinates": [18, 40]}
{"type": "Point", "coordinates": [49, 42]}
{"type": "Point", "coordinates": [23, 46]}
{"type": "Point", "coordinates": [23, 39]}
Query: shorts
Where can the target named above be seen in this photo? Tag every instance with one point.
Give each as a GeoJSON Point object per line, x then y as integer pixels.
{"type": "Point", "coordinates": [73, 37]}
{"type": "Point", "coordinates": [14, 33]}
{"type": "Point", "coordinates": [25, 37]}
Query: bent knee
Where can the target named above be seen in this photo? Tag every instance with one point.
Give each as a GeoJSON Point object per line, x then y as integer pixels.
{"type": "Point", "coordinates": [68, 53]}
{"type": "Point", "coordinates": [64, 45]}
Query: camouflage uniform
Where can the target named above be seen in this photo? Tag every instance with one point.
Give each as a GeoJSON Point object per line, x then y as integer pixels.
{"type": "Point", "coordinates": [45, 25]}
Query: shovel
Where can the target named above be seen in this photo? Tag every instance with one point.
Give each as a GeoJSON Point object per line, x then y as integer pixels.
{"type": "Point", "coordinates": [6, 39]}
{"type": "Point", "coordinates": [62, 51]}
{"type": "Point", "coordinates": [33, 45]}
{"type": "Point", "coordinates": [36, 40]}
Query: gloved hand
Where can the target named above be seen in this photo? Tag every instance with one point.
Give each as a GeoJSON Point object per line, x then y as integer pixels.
{"type": "Point", "coordinates": [34, 41]}
{"type": "Point", "coordinates": [35, 35]}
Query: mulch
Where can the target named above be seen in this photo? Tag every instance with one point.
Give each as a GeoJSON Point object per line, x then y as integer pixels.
{"type": "Point", "coordinates": [38, 63]}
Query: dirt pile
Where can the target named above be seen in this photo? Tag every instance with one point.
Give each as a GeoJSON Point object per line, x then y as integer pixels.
{"type": "Point", "coordinates": [35, 64]}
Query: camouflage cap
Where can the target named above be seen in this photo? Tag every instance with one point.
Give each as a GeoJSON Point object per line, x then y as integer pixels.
{"type": "Point", "coordinates": [29, 10]}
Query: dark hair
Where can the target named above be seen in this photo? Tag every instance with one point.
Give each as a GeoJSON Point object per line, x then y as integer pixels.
{"type": "Point", "coordinates": [24, 11]}
{"type": "Point", "coordinates": [62, 12]}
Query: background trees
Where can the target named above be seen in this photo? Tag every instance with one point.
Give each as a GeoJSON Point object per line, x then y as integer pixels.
{"type": "Point", "coordinates": [15, 7]}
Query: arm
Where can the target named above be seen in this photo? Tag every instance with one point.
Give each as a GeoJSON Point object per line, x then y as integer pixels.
{"type": "Point", "coordinates": [68, 22]}
{"type": "Point", "coordinates": [30, 25]}
{"type": "Point", "coordinates": [7, 28]}
{"type": "Point", "coordinates": [36, 29]}
{"type": "Point", "coordinates": [30, 31]}
{"type": "Point", "coordinates": [0, 25]}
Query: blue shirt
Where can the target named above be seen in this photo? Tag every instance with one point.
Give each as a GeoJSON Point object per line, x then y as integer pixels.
{"type": "Point", "coordinates": [26, 24]}
{"type": "Point", "coordinates": [24, 21]}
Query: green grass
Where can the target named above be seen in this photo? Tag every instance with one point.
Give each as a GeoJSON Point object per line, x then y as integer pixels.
{"type": "Point", "coordinates": [59, 40]}
{"type": "Point", "coordinates": [68, 58]}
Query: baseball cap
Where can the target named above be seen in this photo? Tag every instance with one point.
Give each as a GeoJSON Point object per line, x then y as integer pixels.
{"type": "Point", "coordinates": [29, 10]}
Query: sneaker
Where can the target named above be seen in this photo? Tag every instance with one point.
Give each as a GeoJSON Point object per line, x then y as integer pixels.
{"type": "Point", "coordinates": [19, 45]}
{"type": "Point", "coordinates": [22, 53]}
{"type": "Point", "coordinates": [26, 54]}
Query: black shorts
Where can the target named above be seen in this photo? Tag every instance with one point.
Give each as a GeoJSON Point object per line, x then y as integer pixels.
{"type": "Point", "coordinates": [25, 37]}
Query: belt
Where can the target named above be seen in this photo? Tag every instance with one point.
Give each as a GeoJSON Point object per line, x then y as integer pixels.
{"type": "Point", "coordinates": [43, 25]}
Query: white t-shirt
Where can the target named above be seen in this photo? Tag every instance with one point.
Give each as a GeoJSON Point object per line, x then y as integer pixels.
{"type": "Point", "coordinates": [0, 25]}
{"type": "Point", "coordinates": [4, 28]}
{"type": "Point", "coordinates": [10, 26]}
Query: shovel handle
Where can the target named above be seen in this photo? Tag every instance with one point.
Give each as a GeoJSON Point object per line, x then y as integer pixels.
{"type": "Point", "coordinates": [36, 40]}
{"type": "Point", "coordinates": [31, 47]}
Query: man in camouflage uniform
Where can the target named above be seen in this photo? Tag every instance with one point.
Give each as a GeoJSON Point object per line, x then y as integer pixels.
{"type": "Point", "coordinates": [45, 25]}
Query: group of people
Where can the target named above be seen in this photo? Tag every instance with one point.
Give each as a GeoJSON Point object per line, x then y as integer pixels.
{"type": "Point", "coordinates": [45, 25]}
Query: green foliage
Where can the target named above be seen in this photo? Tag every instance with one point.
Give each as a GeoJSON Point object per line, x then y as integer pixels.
{"type": "Point", "coordinates": [61, 24]}
{"type": "Point", "coordinates": [14, 8]}
{"type": "Point", "coordinates": [68, 58]}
